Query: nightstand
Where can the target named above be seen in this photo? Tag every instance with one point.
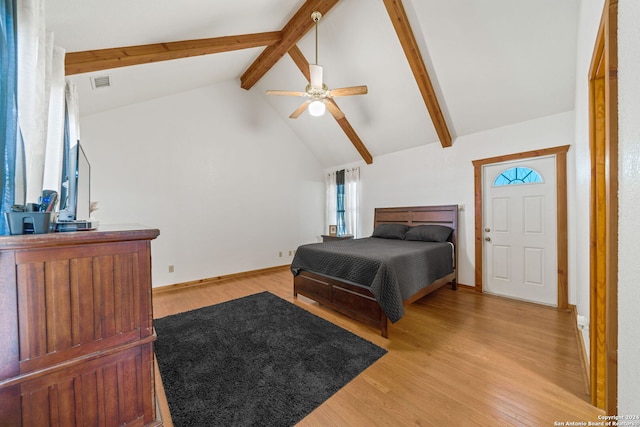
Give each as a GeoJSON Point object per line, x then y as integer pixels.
{"type": "Point", "coordinates": [329, 238]}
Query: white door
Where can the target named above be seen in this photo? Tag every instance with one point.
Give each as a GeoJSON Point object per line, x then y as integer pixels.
{"type": "Point", "coordinates": [520, 227]}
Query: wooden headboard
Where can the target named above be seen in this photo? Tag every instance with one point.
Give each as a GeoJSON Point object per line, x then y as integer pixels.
{"type": "Point", "coordinates": [420, 215]}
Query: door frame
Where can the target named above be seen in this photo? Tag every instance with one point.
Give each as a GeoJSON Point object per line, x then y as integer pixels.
{"type": "Point", "coordinates": [603, 130]}
{"type": "Point", "coordinates": [560, 154]}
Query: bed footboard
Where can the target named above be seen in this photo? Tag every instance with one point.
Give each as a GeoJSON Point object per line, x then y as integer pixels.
{"type": "Point", "coordinates": [354, 301]}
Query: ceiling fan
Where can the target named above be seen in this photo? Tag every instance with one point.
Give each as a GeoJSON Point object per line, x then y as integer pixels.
{"type": "Point", "coordinates": [319, 97]}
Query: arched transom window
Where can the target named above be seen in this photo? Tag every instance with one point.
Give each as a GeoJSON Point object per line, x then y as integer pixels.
{"type": "Point", "coordinates": [517, 175]}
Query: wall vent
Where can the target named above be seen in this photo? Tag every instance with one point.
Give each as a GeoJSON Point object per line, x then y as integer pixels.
{"type": "Point", "coordinates": [100, 82]}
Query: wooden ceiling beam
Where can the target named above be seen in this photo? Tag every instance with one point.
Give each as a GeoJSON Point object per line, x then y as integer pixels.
{"type": "Point", "coordinates": [301, 62]}
{"type": "Point", "coordinates": [104, 59]}
{"type": "Point", "coordinates": [398, 16]}
{"type": "Point", "coordinates": [292, 32]}
{"type": "Point", "coordinates": [354, 138]}
{"type": "Point", "coordinates": [303, 65]}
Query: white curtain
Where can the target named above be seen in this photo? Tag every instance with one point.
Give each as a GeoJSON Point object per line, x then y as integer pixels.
{"type": "Point", "coordinates": [55, 131]}
{"type": "Point", "coordinates": [351, 200]}
{"type": "Point", "coordinates": [40, 100]}
{"type": "Point", "coordinates": [332, 202]}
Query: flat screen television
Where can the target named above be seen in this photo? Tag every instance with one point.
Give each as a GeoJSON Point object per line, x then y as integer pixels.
{"type": "Point", "coordinates": [75, 192]}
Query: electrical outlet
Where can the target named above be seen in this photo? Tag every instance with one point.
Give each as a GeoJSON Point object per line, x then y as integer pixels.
{"type": "Point", "coordinates": [583, 323]}
{"type": "Point", "coordinates": [280, 254]}
{"type": "Point", "coordinates": [290, 253]}
{"type": "Point", "coordinates": [171, 269]}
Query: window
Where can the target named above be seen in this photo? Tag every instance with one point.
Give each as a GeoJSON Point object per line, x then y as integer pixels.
{"type": "Point", "coordinates": [342, 201]}
{"type": "Point", "coordinates": [517, 175]}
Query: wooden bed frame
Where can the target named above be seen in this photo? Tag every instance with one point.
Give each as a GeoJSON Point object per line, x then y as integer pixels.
{"type": "Point", "coordinates": [358, 302]}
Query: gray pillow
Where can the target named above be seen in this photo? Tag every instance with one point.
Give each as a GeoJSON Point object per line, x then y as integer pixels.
{"type": "Point", "coordinates": [390, 231]}
{"type": "Point", "coordinates": [429, 233]}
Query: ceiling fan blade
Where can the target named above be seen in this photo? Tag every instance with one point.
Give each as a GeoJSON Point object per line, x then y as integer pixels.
{"type": "Point", "coordinates": [300, 109]}
{"type": "Point", "coordinates": [348, 91]}
{"type": "Point", "coordinates": [285, 93]}
{"type": "Point", "coordinates": [334, 109]}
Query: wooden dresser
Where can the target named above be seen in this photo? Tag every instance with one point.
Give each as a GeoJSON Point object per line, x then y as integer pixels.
{"type": "Point", "coordinates": [76, 332]}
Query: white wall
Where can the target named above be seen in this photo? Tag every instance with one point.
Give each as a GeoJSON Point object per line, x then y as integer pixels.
{"type": "Point", "coordinates": [629, 199]}
{"type": "Point", "coordinates": [227, 183]}
{"type": "Point", "coordinates": [432, 175]}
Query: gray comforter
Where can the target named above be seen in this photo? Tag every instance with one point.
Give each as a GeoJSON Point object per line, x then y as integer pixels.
{"type": "Point", "coordinates": [394, 270]}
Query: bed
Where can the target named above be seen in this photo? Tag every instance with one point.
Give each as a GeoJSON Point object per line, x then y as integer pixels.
{"type": "Point", "coordinates": [371, 279]}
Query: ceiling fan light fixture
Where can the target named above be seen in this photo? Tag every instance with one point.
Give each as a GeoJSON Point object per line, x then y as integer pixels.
{"type": "Point", "coordinates": [317, 108]}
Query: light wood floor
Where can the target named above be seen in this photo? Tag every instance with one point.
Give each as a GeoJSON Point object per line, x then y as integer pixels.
{"type": "Point", "coordinates": [456, 358]}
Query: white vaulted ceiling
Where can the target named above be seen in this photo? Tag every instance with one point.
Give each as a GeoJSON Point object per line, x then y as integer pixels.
{"type": "Point", "coordinates": [492, 62]}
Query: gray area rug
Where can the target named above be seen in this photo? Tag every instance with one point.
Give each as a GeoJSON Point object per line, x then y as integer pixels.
{"type": "Point", "coordinates": [254, 361]}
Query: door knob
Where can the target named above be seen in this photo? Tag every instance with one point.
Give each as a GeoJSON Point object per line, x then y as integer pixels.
{"type": "Point", "coordinates": [488, 239]}
{"type": "Point", "coordinates": [487, 229]}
